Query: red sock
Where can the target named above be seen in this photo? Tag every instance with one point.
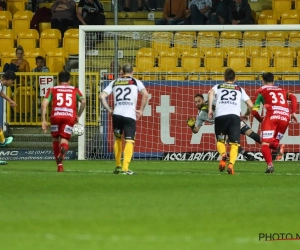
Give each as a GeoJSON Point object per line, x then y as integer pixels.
{"type": "Point", "coordinates": [274, 145]}
{"type": "Point", "coordinates": [56, 149]}
{"type": "Point", "coordinates": [266, 152]}
{"type": "Point", "coordinates": [65, 146]}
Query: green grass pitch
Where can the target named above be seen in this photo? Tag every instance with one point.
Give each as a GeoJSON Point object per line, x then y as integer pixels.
{"type": "Point", "coordinates": [166, 205]}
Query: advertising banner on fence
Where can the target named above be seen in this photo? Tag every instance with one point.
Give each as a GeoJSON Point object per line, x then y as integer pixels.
{"type": "Point", "coordinates": [162, 132]}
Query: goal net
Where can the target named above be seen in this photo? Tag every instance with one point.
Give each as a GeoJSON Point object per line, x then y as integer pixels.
{"type": "Point", "coordinates": [175, 63]}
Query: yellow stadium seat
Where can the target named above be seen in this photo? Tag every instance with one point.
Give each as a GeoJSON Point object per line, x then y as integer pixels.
{"type": "Point", "coordinates": [161, 40]}
{"type": "Point", "coordinates": [21, 20]}
{"type": "Point", "coordinates": [56, 59]}
{"type": "Point", "coordinates": [276, 39]}
{"type": "Point", "coordinates": [71, 41]}
{"type": "Point", "coordinates": [44, 26]}
{"type": "Point", "coordinates": [197, 77]}
{"type": "Point", "coordinates": [192, 58]}
{"type": "Point", "coordinates": [5, 19]}
{"type": "Point", "coordinates": [207, 38]}
{"type": "Point", "coordinates": [294, 39]}
{"type": "Point", "coordinates": [267, 17]}
{"type": "Point", "coordinates": [230, 38]}
{"type": "Point", "coordinates": [290, 17]}
{"type": "Point", "coordinates": [7, 39]}
{"type": "Point", "coordinates": [253, 40]}
{"type": "Point", "coordinates": [237, 57]}
{"type": "Point", "coordinates": [214, 58]}
{"type": "Point", "coordinates": [245, 77]}
{"type": "Point", "coordinates": [7, 55]}
{"type": "Point", "coordinates": [28, 38]}
{"type": "Point", "coordinates": [168, 59]}
{"type": "Point", "coordinates": [175, 74]}
{"type": "Point", "coordinates": [291, 77]}
{"type": "Point", "coordinates": [297, 4]}
{"type": "Point", "coordinates": [284, 59]}
{"type": "Point", "coordinates": [14, 6]}
{"type": "Point", "coordinates": [31, 54]}
{"type": "Point", "coordinates": [50, 39]}
{"type": "Point", "coordinates": [184, 40]}
{"type": "Point", "coordinates": [145, 59]}
{"type": "Point", "coordinates": [281, 6]}
{"type": "Point", "coordinates": [261, 59]}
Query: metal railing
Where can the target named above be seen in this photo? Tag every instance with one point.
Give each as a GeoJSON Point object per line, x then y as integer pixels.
{"type": "Point", "coordinates": [29, 90]}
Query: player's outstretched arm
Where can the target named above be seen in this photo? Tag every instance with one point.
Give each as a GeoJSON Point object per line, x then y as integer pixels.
{"type": "Point", "coordinates": [249, 109]}
{"type": "Point", "coordinates": [191, 123]}
{"type": "Point", "coordinates": [81, 108]}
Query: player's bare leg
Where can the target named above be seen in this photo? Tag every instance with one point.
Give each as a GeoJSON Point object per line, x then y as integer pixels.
{"type": "Point", "coordinates": [280, 152]}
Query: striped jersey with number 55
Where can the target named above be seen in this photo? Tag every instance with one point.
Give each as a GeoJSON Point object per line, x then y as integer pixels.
{"type": "Point", "coordinates": [64, 100]}
{"type": "Point", "coordinates": [228, 99]}
{"type": "Point", "coordinates": [125, 91]}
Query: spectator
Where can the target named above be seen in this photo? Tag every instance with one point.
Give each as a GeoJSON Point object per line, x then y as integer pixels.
{"type": "Point", "coordinates": [21, 63]}
{"type": "Point", "coordinates": [128, 2]}
{"type": "Point", "coordinates": [219, 12]}
{"type": "Point", "coordinates": [90, 12]}
{"type": "Point", "coordinates": [152, 5]}
{"type": "Point", "coordinates": [40, 65]}
{"type": "Point", "coordinates": [198, 12]}
{"type": "Point", "coordinates": [240, 12]}
{"type": "Point", "coordinates": [2, 5]}
{"type": "Point", "coordinates": [174, 12]}
{"type": "Point", "coordinates": [63, 15]}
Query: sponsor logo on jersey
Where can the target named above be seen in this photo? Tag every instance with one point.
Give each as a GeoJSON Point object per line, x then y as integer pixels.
{"type": "Point", "coordinates": [124, 81]}
{"type": "Point", "coordinates": [58, 113]}
{"type": "Point", "coordinates": [68, 129]}
{"type": "Point", "coordinates": [267, 134]}
{"type": "Point", "coordinates": [54, 128]}
{"type": "Point", "coordinates": [280, 108]}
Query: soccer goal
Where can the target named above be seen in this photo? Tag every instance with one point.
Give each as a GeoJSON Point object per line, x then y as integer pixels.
{"type": "Point", "coordinates": [175, 63]}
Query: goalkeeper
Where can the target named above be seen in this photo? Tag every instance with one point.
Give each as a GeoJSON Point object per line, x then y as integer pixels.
{"type": "Point", "coordinates": [202, 117]}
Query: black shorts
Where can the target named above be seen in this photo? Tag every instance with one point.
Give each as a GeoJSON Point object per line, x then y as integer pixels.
{"type": "Point", "coordinates": [228, 125]}
{"type": "Point", "coordinates": [124, 124]}
{"type": "Point", "coordinates": [244, 127]}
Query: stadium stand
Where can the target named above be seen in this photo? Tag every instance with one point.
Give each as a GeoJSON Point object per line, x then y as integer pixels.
{"type": "Point", "coordinates": [28, 38]}
{"type": "Point", "coordinates": [5, 19]}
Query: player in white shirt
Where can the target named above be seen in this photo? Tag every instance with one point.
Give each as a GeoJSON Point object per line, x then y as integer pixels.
{"type": "Point", "coordinates": [202, 117]}
{"type": "Point", "coordinates": [227, 116]}
{"type": "Point", "coordinates": [124, 114]}
{"type": "Point", "coordinates": [6, 81]}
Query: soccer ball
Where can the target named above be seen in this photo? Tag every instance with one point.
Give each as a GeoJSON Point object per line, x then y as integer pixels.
{"type": "Point", "coordinates": [78, 129]}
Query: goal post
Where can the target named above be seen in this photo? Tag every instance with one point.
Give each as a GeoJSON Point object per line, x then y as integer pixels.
{"type": "Point", "coordinates": [175, 63]}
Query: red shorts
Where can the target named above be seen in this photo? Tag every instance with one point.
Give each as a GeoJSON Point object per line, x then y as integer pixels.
{"type": "Point", "coordinates": [273, 129]}
{"type": "Point", "coordinates": [62, 127]}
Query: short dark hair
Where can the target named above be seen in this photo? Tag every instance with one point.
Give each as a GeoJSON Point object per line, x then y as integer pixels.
{"type": "Point", "coordinates": [39, 58]}
{"type": "Point", "coordinates": [127, 68]}
{"type": "Point", "coordinates": [199, 95]}
{"type": "Point", "coordinates": [229, 75]}
{"type": "Point", "coordinates": [268, 77]}
{"type": "Point", "coordinates": [9, 75]}
{"type": "Point", "coordinates": [64, 76]}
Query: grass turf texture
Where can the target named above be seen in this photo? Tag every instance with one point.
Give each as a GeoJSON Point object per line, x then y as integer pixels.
{"type": "Point", "coordinates": [167, 205]}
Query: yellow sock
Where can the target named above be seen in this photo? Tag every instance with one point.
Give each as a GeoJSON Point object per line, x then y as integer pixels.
{"type": "Point", "coordinates": [128, 151]}
{"type": "Point", "coordinates": [118, 150]}
{"type": "Point", "coordinates": [2, 138]}
{"type": "Point", "coordinates": [233, 152]}
{"type": "Point", "coordinates": [221, 147]}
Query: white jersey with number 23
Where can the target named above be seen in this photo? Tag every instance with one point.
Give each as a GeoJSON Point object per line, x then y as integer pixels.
{"type": "Point", "coordinates": [228, 99]}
